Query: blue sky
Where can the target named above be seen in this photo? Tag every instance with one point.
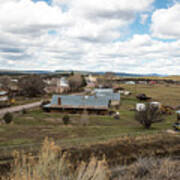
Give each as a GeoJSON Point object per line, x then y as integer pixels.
{"type": "Point", "coordinates": [136, 27]}
{"type": "Point", "coordinates": [137, 36]}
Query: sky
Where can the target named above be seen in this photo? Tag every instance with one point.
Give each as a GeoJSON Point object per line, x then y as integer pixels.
{"type": "Point", "coordinates": [136, 36]}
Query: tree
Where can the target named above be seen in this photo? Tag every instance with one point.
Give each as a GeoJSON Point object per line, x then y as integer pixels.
{"type": "Point", "coordinates": [72, 73]}
{"type": "Point", "coordinates": [76, 81]}
{"type": "Point", "coordinates": [8, 117]}
{"type": "Point", "coordinates": [5, 81]}
{"type": "Point", "coordinates": [66, 119]}
{"type": "Point", "coordinates": [149, 116]}
{"type": "Point", "coordinates": [31, 86]}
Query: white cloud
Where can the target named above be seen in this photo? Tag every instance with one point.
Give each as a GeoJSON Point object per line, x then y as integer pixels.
{"type": "Point", "coordinates": [165, 22]}
{"type": "Point", "coordinates": [101, 20]}
{"type": "Point", "coordinates": [81, 34]}
{"type": "Point", "coordinates": [24, 16]}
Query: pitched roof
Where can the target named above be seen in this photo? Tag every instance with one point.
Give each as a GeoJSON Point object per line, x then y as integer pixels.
{"type": "Point", "coordinates": [2, 93]}
{"type": "Point", "coordinates": [103, 90]}
{"type": "Point", "coordinates": [80, 101]}
{"type": "Point", "coordinates": [108, 94]}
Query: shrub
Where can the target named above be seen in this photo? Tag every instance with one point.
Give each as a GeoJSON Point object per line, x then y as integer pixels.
{"type": "Point", "coordinates": [151, 169]}
{"type": "Point", "coordinates": [149, 116]}
{"type": "Point", "coordinates": [24, 111]}
{"type": "Point", "coordinates": [116, 116]}
{"type": "Point", "coordinates": [54, 164]}
{"type": "Point", "coordinates": [66, 119]}
{"type": "Point", "coordinates": [8, 117]}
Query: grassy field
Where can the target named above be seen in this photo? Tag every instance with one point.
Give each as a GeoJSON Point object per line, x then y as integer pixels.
{"type": "Point", "coordinates": [30, 129]}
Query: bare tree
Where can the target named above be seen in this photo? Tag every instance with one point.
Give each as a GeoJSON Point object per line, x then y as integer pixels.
{"type": "Point", "coordinates": [76, 81]}
{"type": "Point", "coordinates": [5, 81]}
{"type": "Point", "coordinates": [149, 116]}
{"type": "Point", "coordinates": [31, 86]}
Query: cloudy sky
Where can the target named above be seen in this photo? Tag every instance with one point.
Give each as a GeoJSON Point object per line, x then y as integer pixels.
{"type": "Point", "coordinates": [135, 36]}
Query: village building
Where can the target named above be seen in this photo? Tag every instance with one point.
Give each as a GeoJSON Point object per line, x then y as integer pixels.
{"type": "Point", "coordinates": [91, 79]}
{"type": "Point", "coordinates": [108, 93]}
{"type": "Point", "coordinates": [78, 104]}
{"type": "Point", "coordinates": [142, 82]}
{"type": "Point", "coordinates": [57, 85]}
{"type": "Point", "coordinates": [98, 103]}
{"type": "Point", "coordinates": [62, 86]}
{"type": "Point", "coordinates": [4, 99]}
{"type": "Point", "coordinates": [152, 82]}
{"type": "Point", "coordinates": [130, 82]}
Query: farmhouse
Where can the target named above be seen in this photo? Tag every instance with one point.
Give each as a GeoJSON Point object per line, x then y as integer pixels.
{"type": "Point", "coordinates": [57, 85]}
{"type": "Point", "coordinates": [98, 103]}
{"type": "Point", "coordinates": [78, 104]}
{"type": "Point", "coordinates": [62, 85]}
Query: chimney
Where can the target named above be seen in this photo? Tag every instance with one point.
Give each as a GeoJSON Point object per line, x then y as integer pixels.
{"type": "Point", "coordinates": [59, 101]}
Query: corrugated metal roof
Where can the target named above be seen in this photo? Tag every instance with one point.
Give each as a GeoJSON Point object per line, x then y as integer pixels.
{"type": "Point", "coordinates": [75, 101]}
{"type": "Point", "coordinates": [103, 90]}
{"type": "Point", "coordinates": [2, 93]}
{"type": "Point", "coordinates": [108, 94]}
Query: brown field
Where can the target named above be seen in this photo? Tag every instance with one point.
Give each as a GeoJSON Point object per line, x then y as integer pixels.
{"type": "Point", "coordinates": [28, 131]}
{"type": "Point", "coordinates": [108, 160]}
{"type": "Point", "coordinates": [166, 94]}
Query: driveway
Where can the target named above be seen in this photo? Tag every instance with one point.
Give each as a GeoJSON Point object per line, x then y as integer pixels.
{"type": "Point", "coordinates": [19, 108]}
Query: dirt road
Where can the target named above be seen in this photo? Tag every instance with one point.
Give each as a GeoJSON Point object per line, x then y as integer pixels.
{"type": "Point", "coordinates": [19, 108]}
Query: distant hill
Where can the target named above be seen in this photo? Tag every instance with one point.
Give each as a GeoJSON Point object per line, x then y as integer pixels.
{"type": "Point", "coordinates": [19, 72]}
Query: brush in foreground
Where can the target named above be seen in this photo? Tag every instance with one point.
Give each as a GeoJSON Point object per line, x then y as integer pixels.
{"type": "Point", "coordinates": [51, 163]}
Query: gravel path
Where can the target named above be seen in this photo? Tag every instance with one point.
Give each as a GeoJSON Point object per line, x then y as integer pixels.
{"type": "Point", "coordinates": [19, 108]}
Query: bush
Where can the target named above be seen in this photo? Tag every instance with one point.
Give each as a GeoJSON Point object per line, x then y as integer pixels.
{"type": "Point", "coordinates": [8, 117]}
{"type": "Point", "coordinates": [149, 116]}
{"type": "Point", "coordinates": [24, 111]}
{"type": "Point", "coordinates": [66, 119]}
{"type": "Point", "coordinates": [52, 163]}
{"type": "Point", "coordinates": [151, 169]}
{"type": "Point", "coordinates": [116, 116]}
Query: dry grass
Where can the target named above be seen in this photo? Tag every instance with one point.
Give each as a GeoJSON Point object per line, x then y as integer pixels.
{"type": "Point", "coordinates": [149, 169]}
{"type": "Point", "coordinates": [52, 164]}
{"type": "Point", "coordinates": [166, 94]}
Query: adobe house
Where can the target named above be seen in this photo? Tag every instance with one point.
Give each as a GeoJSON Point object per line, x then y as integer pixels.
{"type": "Point", "coordinates": [62, 85]}
{"type": "Point", "coordinates": [73, 104]}
{"type": "Point", "coordinates": [57, 85]}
